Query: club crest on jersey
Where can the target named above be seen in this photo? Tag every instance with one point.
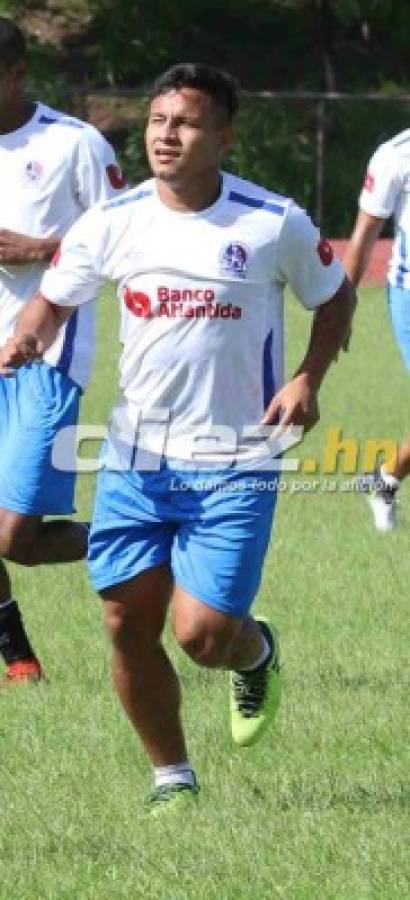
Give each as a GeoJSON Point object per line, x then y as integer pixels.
{"type": "Point", "coordinates": [33, 171]}
{"type": "Point", "coordinates": [233, 260]}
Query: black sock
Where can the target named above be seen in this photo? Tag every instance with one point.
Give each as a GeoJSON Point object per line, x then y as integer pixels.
{"type": "Point", "coordinates": [14, 643]}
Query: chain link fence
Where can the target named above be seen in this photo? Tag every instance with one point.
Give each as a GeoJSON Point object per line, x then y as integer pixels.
{"type": "Point", "coordinates": [311, 146]}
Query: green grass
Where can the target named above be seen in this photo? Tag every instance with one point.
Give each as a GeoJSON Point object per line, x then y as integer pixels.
{"type": "Point", "coordinates": [315, 812]}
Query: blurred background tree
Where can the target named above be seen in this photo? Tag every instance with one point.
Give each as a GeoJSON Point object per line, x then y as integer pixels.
{"type": "Point", "coordinates": [79, 47]}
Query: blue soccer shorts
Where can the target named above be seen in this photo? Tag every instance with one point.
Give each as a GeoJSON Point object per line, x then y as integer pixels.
{"type": "Point", "coordinates": [211, 527]}
{"type": "Point", "coordinates": [34, 404]}
{"type": "Point", "coordinates": [398, 300]}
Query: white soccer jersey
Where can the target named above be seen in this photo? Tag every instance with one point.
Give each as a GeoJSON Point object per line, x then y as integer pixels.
{"type": "Point", "coordinates": [52, 169]}
{"type": "Point", "coordinates": [386, 192]}
{"type": "Point", "coordinates": [201, 297]}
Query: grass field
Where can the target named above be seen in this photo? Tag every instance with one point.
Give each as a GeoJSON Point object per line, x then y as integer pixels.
{"type": "Point", "coordinates": [317, 811]}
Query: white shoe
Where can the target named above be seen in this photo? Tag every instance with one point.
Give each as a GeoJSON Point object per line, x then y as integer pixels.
{"type": "Point", "coordinates": [384, 512]}
{"type": "Point", "coordinates": [381, 498]}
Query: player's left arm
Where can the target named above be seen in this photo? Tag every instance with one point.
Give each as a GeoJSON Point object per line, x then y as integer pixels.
{"type": "Point", "coordinates": [306, 262]}
{"type": "Point", "coordinates": [297, 402]}
{"type": "Point", "coordinates": [37, 328]}
{"type": "Point", "coordinates": [74, 279]}
{"type": "Point", "coordinates": [20, 249]}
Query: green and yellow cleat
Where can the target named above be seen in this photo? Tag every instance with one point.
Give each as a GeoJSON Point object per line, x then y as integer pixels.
{"type": "Point", "coordinates": [255, 696]}
{"type": "Point", "coordinates": [172, 798]}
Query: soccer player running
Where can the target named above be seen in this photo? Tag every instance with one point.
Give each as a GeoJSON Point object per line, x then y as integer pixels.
{"type": "Point", "coordinates": [385, 193]}
{"type": "Point", "coordinates": [182, 516]}
{"type": "Point", "coordinates": [52, 168]}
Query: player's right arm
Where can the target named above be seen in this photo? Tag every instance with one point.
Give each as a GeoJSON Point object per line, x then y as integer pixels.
{"type": "Point", "coordinates": [365, 233]}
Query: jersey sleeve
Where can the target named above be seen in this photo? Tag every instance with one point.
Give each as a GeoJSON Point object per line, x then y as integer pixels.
{"type": "Point", "coordinates": [98, 177]}
{"type": "Point", "coordinates": [382, 184]}
{"type": "Point", "coordinates": [306, 261]}
{"type": "Point", "coordinates": [76, 271]}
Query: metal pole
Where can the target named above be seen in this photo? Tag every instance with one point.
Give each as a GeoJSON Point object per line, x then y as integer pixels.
{"type": "Point", "coordinates": [320, 160]}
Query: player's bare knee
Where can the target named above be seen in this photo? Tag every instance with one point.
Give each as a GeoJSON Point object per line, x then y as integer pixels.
{"type": "Point", "coordinates": [199, 647]}
{"type": "Point", "coordinates": [117, 623]}
{"type": "Point", "coordinates": [204, 645]}
{"type": "Point", "coordinates": [127, 629]}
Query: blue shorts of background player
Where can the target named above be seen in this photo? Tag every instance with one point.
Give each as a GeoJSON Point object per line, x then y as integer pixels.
{"type": "Point", "coordinates": [211, 527]}
{"type": "Point", "coordinates": [398, 300]}
{"type": "Point", "coordinates": [35, 404]}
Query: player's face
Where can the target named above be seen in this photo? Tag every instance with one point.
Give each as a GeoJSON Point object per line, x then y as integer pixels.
{"type": "Point", "coordinates": [185, 137]}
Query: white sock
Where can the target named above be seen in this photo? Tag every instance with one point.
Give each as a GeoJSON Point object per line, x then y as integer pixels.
{"type": "Point", "coordinates": [180, 773]}
{"type": "Point", "coordinates": [390, 480]}
{"type": "Point", "coordinates": [263, 656]}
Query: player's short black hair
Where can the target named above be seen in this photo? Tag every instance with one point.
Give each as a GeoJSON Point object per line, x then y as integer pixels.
{"type": "Point", "coordinates": [221, 87]}
{"type": "Point", "coordinates": [13, 46]}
